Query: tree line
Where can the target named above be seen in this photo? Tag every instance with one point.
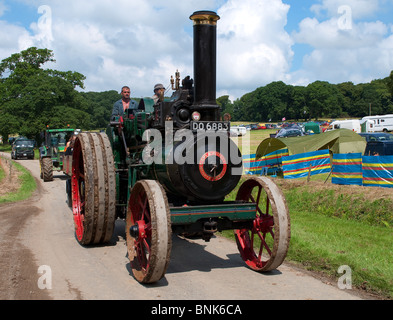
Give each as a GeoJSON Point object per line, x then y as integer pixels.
{"type": "Point", "coordinates": [33, 98]}
{"type": "Point", "coordinates": [319, 99]}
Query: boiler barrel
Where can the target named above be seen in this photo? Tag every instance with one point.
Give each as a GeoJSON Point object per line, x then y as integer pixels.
{"type": "Point", "coordinates": [211, 170]}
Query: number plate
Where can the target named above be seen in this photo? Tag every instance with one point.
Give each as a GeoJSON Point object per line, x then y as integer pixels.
{"type": "Point", "coordinates": [210, 125]}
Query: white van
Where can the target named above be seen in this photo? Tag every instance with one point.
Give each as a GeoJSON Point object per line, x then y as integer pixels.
{"type": "Point", "coordinates": [238, 131]}
{"type": "Point", "coordinates": [353, 125]}
{"type": "Point", "coordinates": [380, 123]}
{"type": "Point", "coordinates": [367, 125]}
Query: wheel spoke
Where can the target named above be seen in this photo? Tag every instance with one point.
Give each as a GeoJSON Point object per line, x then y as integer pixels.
{"type": "Point", "coordinates": [259, 194]}
{"type": "Point", "coordinates": [140, 214]}
{"type": "Point", "coordinates": [141, 256]}
{"type": "Point", "coordinates": [257, 203]}
{"type": "Point", "coordinates": [257, 245]}
{"type": "Point", "coordinates": [148, 214]}
{"type": "Point", "coordinates": [263, 243]}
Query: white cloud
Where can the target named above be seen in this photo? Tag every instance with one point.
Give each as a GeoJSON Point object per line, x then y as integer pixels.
{"type": "Point", "coordinates": [3, 8]}
{"type": "Point", "coordinates": [328, 35]}
{"type": "Point", "coordinates": [144, 42]}
{"type": "Point", "coordinates": [359, 53]}
{"type": "Point", "coordinates": [10, 36]}
{"type": "Point", "coordinates": [114, 43]}
{"type": "Point", "coordinates": [253, 47]}
{"type": "Point", "coordinates": [141, 42]}
{"type": "Point", "coordinates": [359, 8]}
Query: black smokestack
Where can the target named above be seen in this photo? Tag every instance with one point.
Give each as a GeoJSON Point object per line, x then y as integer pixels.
{"type": "Point", "coordinates": [205, 60]}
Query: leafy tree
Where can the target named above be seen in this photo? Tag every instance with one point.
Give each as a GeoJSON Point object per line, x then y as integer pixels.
{"type": "Point", "coordinates": [276, 100]}
{"type": "Point", "coordinates": [99, 105]}
{"type": "Point", "coordinates": [298, 107]}
{"type": "Point", "coordinates": [225, 104]}
{"type": "Point", "coordinates": [324, 99]}
{"type": "Point", "coordinates": [389, 83]}
{"type": "Point", "coordinates": [33, 97]}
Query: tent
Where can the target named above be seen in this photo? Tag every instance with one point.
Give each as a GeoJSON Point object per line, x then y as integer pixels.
{"type": "Point", "coordinates": [337, 141]}
{"type": "Point", "coordinates": [312, 126]}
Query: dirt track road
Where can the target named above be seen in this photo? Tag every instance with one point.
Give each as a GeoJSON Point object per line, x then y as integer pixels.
{"type": "Point", "coordinates": [39, 232]}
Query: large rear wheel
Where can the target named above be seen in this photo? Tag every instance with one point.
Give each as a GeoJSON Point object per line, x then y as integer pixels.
{"type": "Point", "coordinates": [264, 246]}
{"type": "Point", "coordinates": [148, 231]}
{"type": "Point", "coordinates": [93, 186]}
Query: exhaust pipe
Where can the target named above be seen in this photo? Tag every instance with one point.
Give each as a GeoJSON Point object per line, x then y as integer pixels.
{"type": "Point", "coordinates": [205, 58]}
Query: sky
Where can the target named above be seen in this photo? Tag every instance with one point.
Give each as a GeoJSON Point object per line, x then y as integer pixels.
{"type": "Point", "coordinates": [143, 42]}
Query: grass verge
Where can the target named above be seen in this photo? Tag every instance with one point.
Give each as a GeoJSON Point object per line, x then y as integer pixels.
{"type": "Point", "coordinates": [322, 243]}
{"type": "Point", "coordinates": [330, 229]}
{"type": "Point", "coordinates": [27, 186]}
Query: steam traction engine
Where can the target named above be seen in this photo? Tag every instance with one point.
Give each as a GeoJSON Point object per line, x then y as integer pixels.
{"type": "Point", "coordinates": [181, 190]}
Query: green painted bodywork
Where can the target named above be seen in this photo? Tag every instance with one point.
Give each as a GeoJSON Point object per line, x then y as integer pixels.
{"type": "Point", "coordinates": [232, 211]}
{"type": "Point", "coordinates": [130, 169]}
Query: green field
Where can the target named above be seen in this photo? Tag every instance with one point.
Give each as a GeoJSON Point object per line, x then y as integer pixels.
{"type": "Point", "coordinates": [333, 226]}
{"type": "Point", "coordinates": [253, 139]}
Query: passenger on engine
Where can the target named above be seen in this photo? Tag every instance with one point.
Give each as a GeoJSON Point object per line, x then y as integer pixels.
{"type": "Point", "coordinates": [159, 91]}
{"type": "Point", "coordinates": [121, 107]}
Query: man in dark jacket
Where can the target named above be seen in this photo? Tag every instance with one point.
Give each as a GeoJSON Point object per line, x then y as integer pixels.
{"type": "Point", "coordinates": [120, 107]}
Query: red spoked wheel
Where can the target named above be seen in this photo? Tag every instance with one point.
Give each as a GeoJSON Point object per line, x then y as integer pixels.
{"type": "Point", "coordinates": [148, 231]}
{"type": "Point", "coordinates": [265, 245]}
{"type": "Point", "coordinates": [93, 187]}
{"type": "Point", "coordinates": [78, 190]}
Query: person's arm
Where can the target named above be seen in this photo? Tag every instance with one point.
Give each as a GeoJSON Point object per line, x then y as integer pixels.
{"type": "Point", "coordinates": [116, 110]}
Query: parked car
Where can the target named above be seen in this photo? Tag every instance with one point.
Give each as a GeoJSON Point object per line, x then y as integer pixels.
{"type": "Point", "coordinates": [289, 132]}
{"type": "Point", "coordinates": [23, 148]}
{"type": "Point", "coordinates": [377, 136]}
{"type": "Point", "coordinates": [378, 144]}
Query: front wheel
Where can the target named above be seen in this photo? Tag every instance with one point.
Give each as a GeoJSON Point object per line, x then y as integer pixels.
{"type": "Point", "coordinates": [148, 231]}
{"type": "Point", "coordinates": [264, 246]}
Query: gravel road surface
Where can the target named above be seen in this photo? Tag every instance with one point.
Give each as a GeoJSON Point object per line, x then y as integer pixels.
{"type": "Point", "coordinates": [41, 259]}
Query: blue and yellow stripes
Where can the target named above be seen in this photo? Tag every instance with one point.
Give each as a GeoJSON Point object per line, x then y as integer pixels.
{"type": "Point", "coordinates": [299, 166]}
{"type": "Point", "coordinates": [355, 169]}
{"type": "Point", "coordinates": [347, 169]}
{"type": "Point", "coordinates": [252, 166]}
{"type": "Point", "coordinates": [378, 171]}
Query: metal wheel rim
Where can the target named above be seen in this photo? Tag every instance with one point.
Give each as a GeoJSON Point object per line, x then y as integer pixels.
{"type": "Point", "coordinates": [149, 252]}
{"type": "Point", "coordinates": [264, 246]}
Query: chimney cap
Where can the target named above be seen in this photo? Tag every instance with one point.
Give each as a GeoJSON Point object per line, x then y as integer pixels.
{"type": "Point", "coordinates": [205, 17]}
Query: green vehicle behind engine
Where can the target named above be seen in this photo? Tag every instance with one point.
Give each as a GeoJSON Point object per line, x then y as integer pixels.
{"type": "Point", "coordinates": [52, 151]}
